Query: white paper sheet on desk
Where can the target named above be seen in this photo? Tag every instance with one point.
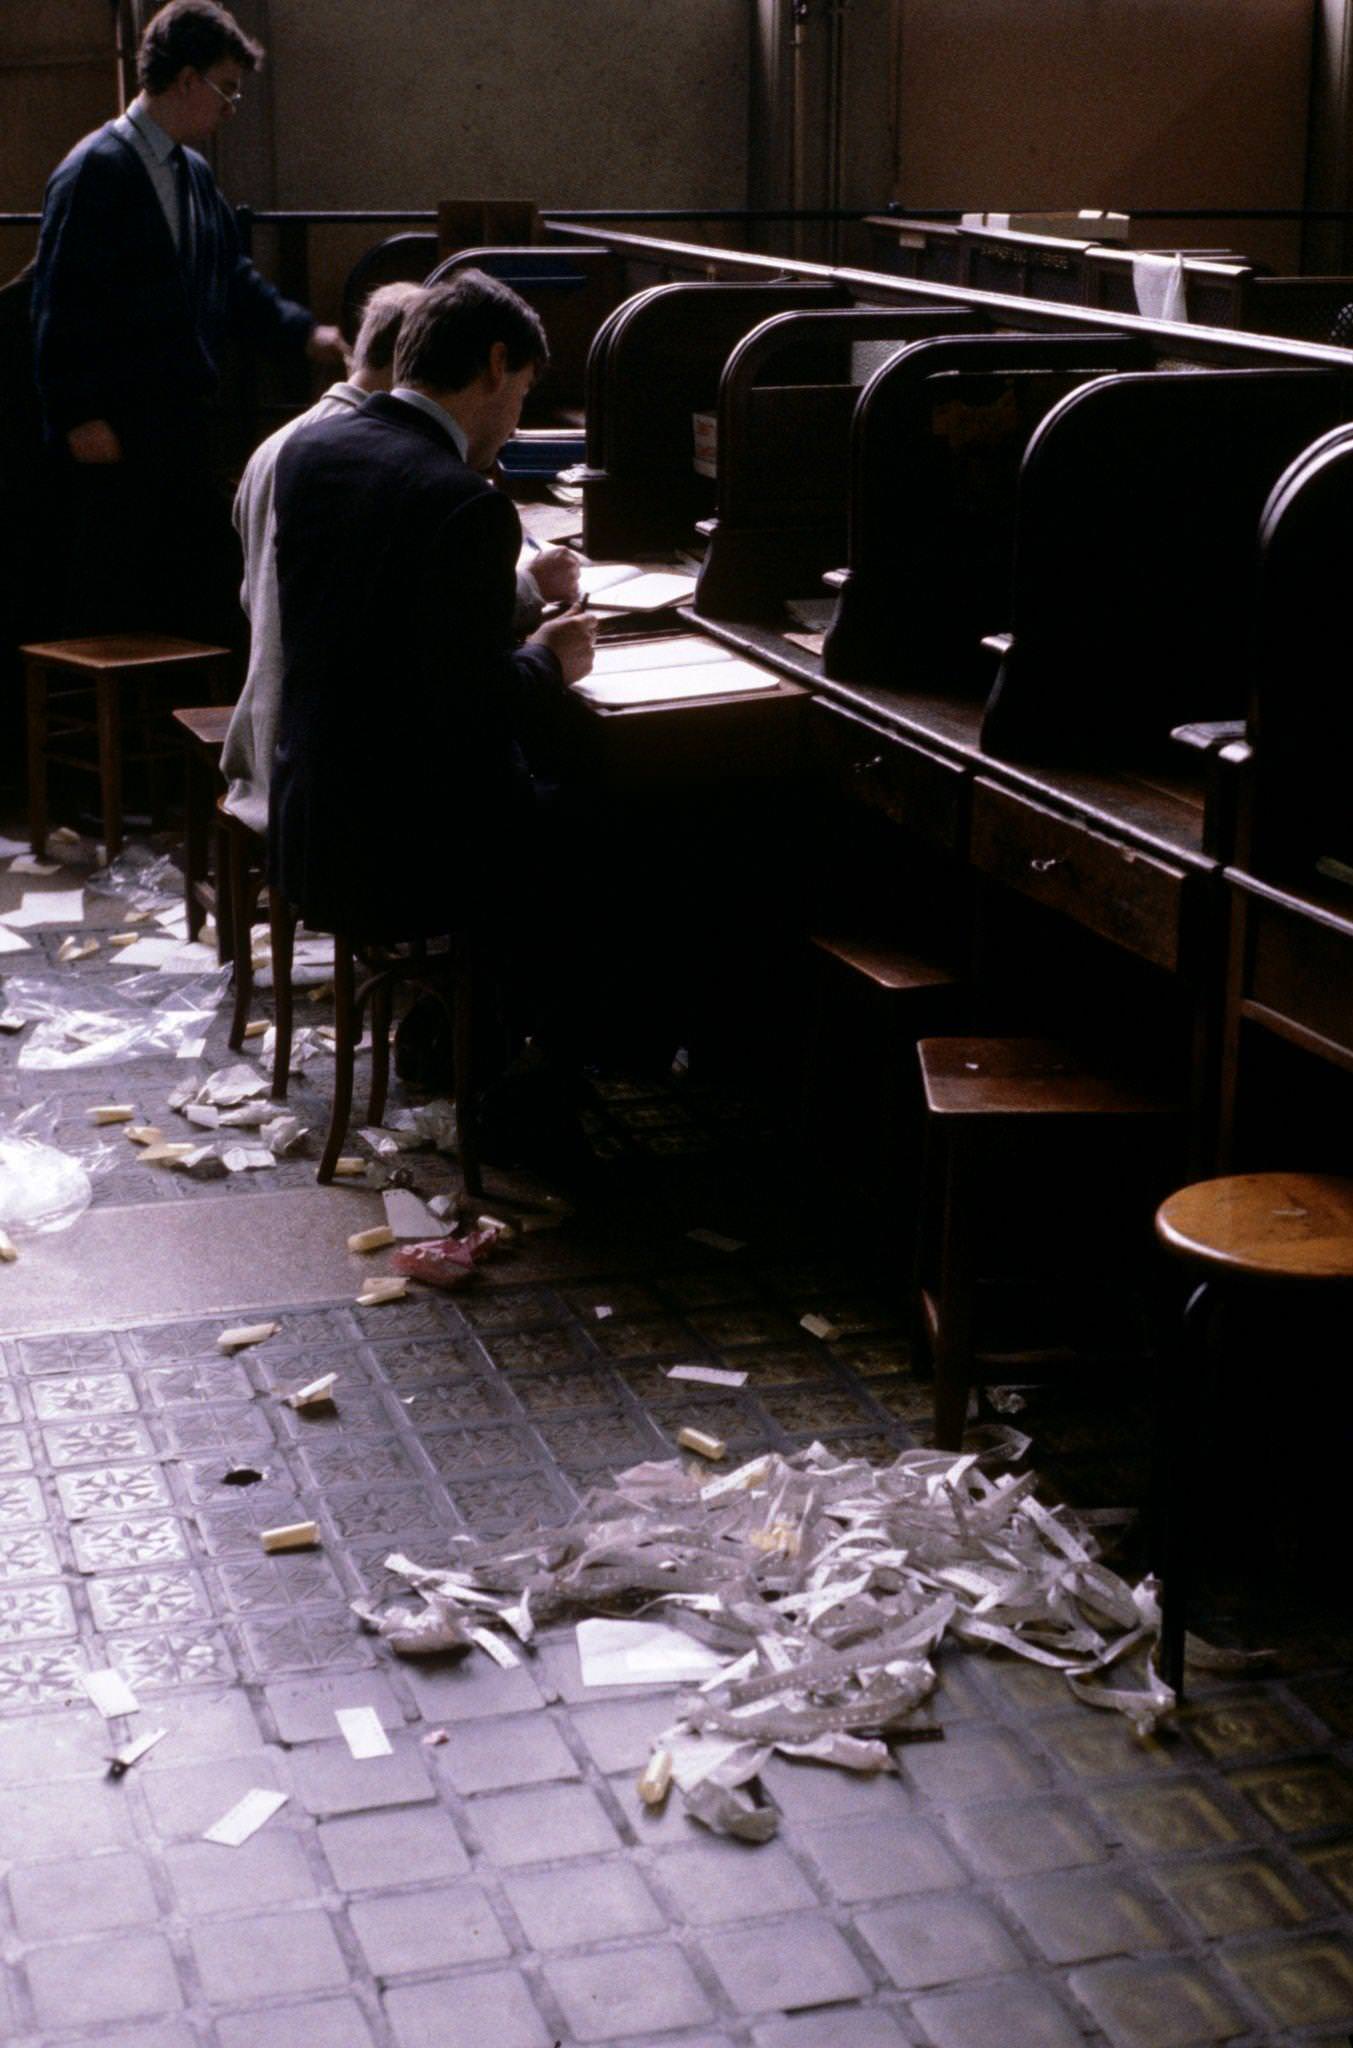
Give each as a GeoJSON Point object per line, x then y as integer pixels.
{"type": "Point", "coordinates": [678, 650]}
{"type": "Point", "coordinates": [647, 593]}
{"type": "Point", "coordinates": [641, 1653]}
{"type": "Point", "coordinates": [669, 686]}
{"type": "Point", "coordinates": [596, 576]}
{"type": "Point", "coordinates": [47, 906]}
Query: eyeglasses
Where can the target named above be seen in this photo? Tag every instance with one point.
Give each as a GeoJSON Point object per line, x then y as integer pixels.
{"type": "Point", "coordinates": [229, 99]}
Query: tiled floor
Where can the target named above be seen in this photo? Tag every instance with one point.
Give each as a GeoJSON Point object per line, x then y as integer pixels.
{"type": "Point", "coordinates": [1038, 1878]}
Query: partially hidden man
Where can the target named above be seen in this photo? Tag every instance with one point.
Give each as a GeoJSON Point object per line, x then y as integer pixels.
{"type": "Point", "coordinates": [139, 283]}
{"type": "Point", "coordinates": [400, 794]}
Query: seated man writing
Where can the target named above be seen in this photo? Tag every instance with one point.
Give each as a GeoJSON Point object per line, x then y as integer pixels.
{"type": "Point", "coordinates": [247, 759]}
{"type": "Point", "coordinates": [400, 798]}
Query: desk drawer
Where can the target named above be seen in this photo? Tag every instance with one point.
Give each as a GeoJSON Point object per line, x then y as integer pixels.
{"type": "Point", "coordinates": [1130, 898]}
{"type": "Point", "coordinates": [1300, 974]}
{"type": "Point", "coordinates": [915, 788]}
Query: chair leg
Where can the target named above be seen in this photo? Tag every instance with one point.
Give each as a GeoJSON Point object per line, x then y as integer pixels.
{"type": "Point", "coordinates": [282, 928]}
{"type": "Point", "coordinates": [225, 909]}
{"type": "Point", "coordinates": [35, 685]}
{"type": "Point", "coordinates": [382, 992]}
{"type": "Point", "coordinates": [241, 902]}
{"type": "Point", "coordinates": [110, 762]}
{"type": "Point", "coordinates": [957, 1304]}
{"type": "Point", "coordinates": [463, 1028]}
{"type": "Point", "coordinates": [195, 846]}
{"type": "Point", "coordinates": [347, 1022]}
{"type": "Point", "coordinates": [1181, 1385]}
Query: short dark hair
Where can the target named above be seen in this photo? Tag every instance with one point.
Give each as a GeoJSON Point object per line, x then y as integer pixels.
{"type": "Point", "coordinates": [194, 33]}
{"type": "Point", "coordinates": [446, 340]}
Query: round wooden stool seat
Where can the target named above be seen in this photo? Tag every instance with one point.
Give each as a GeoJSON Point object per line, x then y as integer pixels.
{"type": "Point", "coordinates": [1271, 1226]}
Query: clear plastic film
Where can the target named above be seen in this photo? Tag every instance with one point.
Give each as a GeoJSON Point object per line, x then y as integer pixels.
{"type": "Point", "coordinates": [135, 1018]}
{"type": "Point", "coordinates": [140, 878]}
{"type": "Point", "coordinates": [831, 1586]}
{"type": "Point", "coordinates": [45, 1186]}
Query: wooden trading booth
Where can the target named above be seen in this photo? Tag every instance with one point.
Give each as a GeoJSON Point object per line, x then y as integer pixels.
{"type": "Point", "coordinates": [1051, 739]}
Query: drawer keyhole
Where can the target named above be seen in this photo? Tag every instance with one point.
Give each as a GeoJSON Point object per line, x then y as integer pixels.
{"type": "Point", "coordinates": [1046, 865]}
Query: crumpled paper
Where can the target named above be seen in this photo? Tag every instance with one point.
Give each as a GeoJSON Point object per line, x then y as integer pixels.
{"type": "Point", "coordinates": [830, 1585]}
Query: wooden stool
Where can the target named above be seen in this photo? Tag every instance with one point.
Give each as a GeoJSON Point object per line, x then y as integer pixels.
{"type": "Point", "coordinates": [102, 668]}
{"type": "Point", "coordinates": [367, 973]}
{"type": "Point", "coordinates": [205, 884]}
{"type": "Point", "coordinates": [1291, 1230]}
{"type": "Point", "coordinates": [978, 1092]}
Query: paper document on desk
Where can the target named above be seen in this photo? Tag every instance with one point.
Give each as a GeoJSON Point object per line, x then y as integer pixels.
{"type": "Point", "coordinates": [732, 678]}
{"type": "Point", "coordinates": [679, 650]}
{"type": "Point", "coordinates": [648, 592]}
{"type": "Point", "coordinates": [597, 576]}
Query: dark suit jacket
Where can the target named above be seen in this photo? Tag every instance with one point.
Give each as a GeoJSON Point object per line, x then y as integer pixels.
{"type": "Point", "coordinates": [122, 332]}
{"type": "Point", "coordinates": [398, 773]}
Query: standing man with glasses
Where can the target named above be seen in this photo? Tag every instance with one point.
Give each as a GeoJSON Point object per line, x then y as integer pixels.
{"type": "Point", "coordinates": [140, 281]}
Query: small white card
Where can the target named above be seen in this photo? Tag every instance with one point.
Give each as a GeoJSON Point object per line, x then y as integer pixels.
{"type": "Point", "coordinates": [29, 864]}
{"type": "Point", "coordinates": [13, 942]}
{"type": "Point", "coordinates": [641, 1653]}
{"type": "Point", "coordinates": [362, 1731]}
{"type": "Point", "coordinates": [245, 1818]}
{"type": "Point", "coordinates": [110, 1693]}
{"type": "Point", "coordinates": [408, 1215]}
{"type": "Point", "coordinates": [710, 1375]}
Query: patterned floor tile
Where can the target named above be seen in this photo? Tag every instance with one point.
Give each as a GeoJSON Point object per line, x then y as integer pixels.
{"type": "Point", "coordinates": [21, 1503]}
{"type": "Point", "coordinates": [132, 1598]}
{"type": "Point", "coordinates": [95, 1438]}
{"type": "Point", "coordinates": [29, 1612]}
{"type": "Point", "coordinates": [128, 1540]}
{"type": "Point", "coordinates": [28, 1554]}
{"type": "Point", "coordinates": [305, 1639]}
{"type": "Point", "coordinates": [112, 1490]}
{"type": "Point", "coordinates": [210, 1379]}
{"type": "Point", "coordinates": [102, 1393]}
{"type": "Point", "coordinates": [82, 1353]}
{"type": "Point", "coordinates": [259, 1584]}
{"type": "Point", "coordinates": [15, 1451]}
{"type": "Point", "coordinates": [234, 1428]}
{"type": "Point", "coordinates": [168, 1658]}
{"type": "Point", "coordinates": [41, 1676]}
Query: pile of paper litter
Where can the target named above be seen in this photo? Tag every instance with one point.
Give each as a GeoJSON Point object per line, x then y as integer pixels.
{"type": "Point", "coordinates": [825, 1586]}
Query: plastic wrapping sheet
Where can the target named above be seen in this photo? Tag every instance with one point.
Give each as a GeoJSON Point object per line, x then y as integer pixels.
{"type": "Point", "coordinates": [141, 878]}
{"type": "Point", "coordinates": [136, 1018]}
{"type": "Point", "coordinates": [45, 1186]}
{"type": "Point", "coordinates": [828, 1585]}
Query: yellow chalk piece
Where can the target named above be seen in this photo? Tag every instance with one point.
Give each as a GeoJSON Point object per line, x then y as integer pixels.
{"type": "Point", "coordinates": [143, 1134]}
{"type": "Point", "coordinates": [319, 1393]}
{"type": "Point", "coordinates": [246, 1333]}
{"type": "Point", "coordinates": [291, 1536]}
{"type": "Point", "coordinates": [73, 949]}
{"type": "Point", "coordinates": [818, 1326]}
{"type": "Point", "coordinates": [112, 1112]}
{"type": "Point", "coordinates": [256, 1027]}
{"type": "Point", "coordinates": [506, 1231]}
{"type": "Point", "coordinates": [702, 1444]}
{"type": "Point", "coordinates": [781, 1539]}
{"type": "Point", "coordinates": [377, 1292]}
{"type": "Point", "coordinates": [63, 835]}
{"type": "Point", "coordinates": [9, 1251]}
{"type": "Point", "coordinates": [373, 1240]}
{"type": "Point", "coordinates": [349, 1167]}
{"type": "Point", "coordinates": [120, 939]}
{"type": "Point", "coordinates": [656, 1778]}
{"type": "Point", "coordinates": [139, 916]}
{"type": "Point", "coordinates": [165, 1155]}
{"type": "Point", "coordinates": [318, 995]}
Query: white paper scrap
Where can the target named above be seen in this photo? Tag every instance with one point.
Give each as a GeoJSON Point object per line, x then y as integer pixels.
{"type": "Point", "coordinates": [709, 1375]}
{"type": "Point", "coordinates": [245, 1818]}
{"type": "Point", "coordinates": [47, 906]}
{"type": "Point", "coordinates": [493, 1646]}
{"type": "Point", "coordinates": [13, 942]}
{"type": "Point", "coordinates": [29, 864]}
{"type": "Point", "coordinates": [408, 1215]}
{"type": "Point", "coordinates": [123, 1759]}
{"type": "Point", "coordinates": [110, 1693]}
{"type": "Point", "coordinates": [148, 952]}
{"type": "Point", "coordinates": [9, 847]}
{"type": "Point", "coordinates": [362, 1731]}
{"type": "Point", "coordinates": [641, 1653]}
{"type": "Point", "coordinates": [646, 593]}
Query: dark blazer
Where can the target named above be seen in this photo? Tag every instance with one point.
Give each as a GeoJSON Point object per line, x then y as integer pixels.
{"type": "Point", "coordinates": [398, 773]}
{"type": "Point", "coordinates": [122, 332]}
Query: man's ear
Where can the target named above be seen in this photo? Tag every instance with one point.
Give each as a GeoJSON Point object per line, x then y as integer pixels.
{"type": "Point", "coordinates": [496, 369]}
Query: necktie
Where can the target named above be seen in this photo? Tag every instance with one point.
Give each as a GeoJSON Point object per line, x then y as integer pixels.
{"type": "Point", "coordinates": [184, 193]}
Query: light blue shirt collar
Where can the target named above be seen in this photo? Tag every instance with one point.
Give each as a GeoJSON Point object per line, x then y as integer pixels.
{"type": "Point", "coordinates": [436, 412]}
{"type": "Point", "coordinates": [157, 142]}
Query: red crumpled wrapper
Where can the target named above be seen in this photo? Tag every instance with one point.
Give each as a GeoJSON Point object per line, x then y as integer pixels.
{"type": "Point", "coordinates": [445, 1261]}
